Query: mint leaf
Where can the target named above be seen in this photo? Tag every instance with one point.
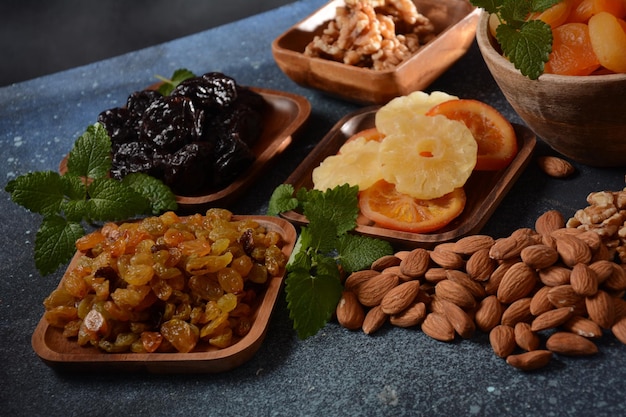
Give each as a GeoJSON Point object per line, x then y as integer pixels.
{"type": "Point", "coordinates": [169, 84]}
{"type": "Point", "coordinates": [542, 5]}
{"type": "Point", "coordinates": [514, 13]}
{"type": "Point", "coordinates": [74, 187]}
{"type": "Point", "coordinates": [312, 298]}
{"type": "Point", "coordinates": [91, 155]}
{"type": "Point", "coordinates": [358, 252]}
{"type": "Point", "coordinates": [55, 243]}
{"type": "Point", "coordinates": [337, 207]}
{"type": "Point", "coordinates": [527, 48]}
{"type": "Point", "coordinates": [282, 200]}
{"type": "Point", "coordinates": [39, 192]}
{"type": "Point", "coordinates": [159, 195]}
{"type": "Point", "coordinates": [112, 200]}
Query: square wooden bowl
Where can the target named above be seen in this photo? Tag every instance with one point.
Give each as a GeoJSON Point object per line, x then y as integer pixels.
{"type": "Point", "coordinates": [455, 22]}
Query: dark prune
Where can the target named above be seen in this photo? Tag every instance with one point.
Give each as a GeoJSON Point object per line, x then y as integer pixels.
{"type": "Point", "coordinates": [169, 123]}
{"type": "Point", "coordinates": [188, 170]}
{"type": "Point", "coordinates": [119, 124]}
{"type": "Point", "coordinates": [233, 156]}
{"type": "Point", "coordinates": [212, 90]}
{"type": "Point", "coordinates": [139, 101]}
{"type": "Point", "coordinates": [132, 157]}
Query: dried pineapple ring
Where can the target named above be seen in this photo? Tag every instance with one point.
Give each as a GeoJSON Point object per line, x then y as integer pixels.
{"type": "Point", "coordinates": [405, 107]}
{"type": "Point", "coordinates": [429, 156]}
{"type": "Point", "coordinates": [357, 163]}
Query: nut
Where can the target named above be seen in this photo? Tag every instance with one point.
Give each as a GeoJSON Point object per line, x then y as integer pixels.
{"type": "Point", "coordinates": [517, 282]}
{"type": "Point", "coordinates": [456, 293]}
{"type": "Point", "coordinates": [358, 278]}
{"type": "Point", "coordinates": [488, 314]}
{"type": "Point", "coordinates": [525, 338]}
{"type": "Point", "coordinates": [372, 292]}
{"type": "Point", "coordinates": [549, 221]}
{"type": "Point", "coordinates": [437, 326]}
{"type": "Point", "coordinates": [555, 275]}
{"type": "Point", "coordinates": [539, 256]}
{"type": "Point", "coordinates": [570, 344]}
{"type": "Point", "coordinates": [385, 262]}
{"type": "Point", "coordinates": [350, 313]}
{"type": "Point", "coordinates": [446, 258]}
{"type": "Point", "coordinates": [583, 280]}
{"type": "Point", "coordinates": [410, 317]}
{"type": "Point", "coordinates": [400, 297]}
{"type": "Point", "coordinates": [572, 250]}
{"type": "Point", "coordinates": [529, 361]}
{"type": "Point", "coordinates": [502, 340]}
{"type": "Point", "coordinates": [374, 320]}
{"type": "Point", "coordinates": [477, 290]}
{"type": "Point", "coordinates": [563, 296]}
{"type": "Point", "coordinates": [551, 319]}
{"type": "Point", "coordinates": [470, 244]}
{"type": "Point", "coordinates": [601, 309]}
{"type": "Point", "coordinates": [416, 263]}
{"type": "Point", "coordinates": [480, 266]}
{"type": "Point", "coordinates": [555, 167]}
{"type": "Point", "coordinates": [582, 326]}
{"type": "Point", "coordinates": [518, 311]}
{"type": "Point", "coordinates": [459, 319]}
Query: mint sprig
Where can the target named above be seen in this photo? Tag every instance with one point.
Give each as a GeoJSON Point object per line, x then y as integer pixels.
{"type": "Point", "coordinates": [83, 195]}
{"type": "Point", "coordinates": [169, 84]}
{"type": "Point", "coordinates": [525, 42]}
{"type": "Point", "coordinates": [324, 248]}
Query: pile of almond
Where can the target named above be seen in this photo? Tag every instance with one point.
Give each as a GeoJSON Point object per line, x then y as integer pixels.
{"type": "Point", "coordinates": [538, 292]}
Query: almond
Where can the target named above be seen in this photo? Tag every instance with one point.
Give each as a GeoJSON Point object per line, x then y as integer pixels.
{"type": "Point", "coordinates": [551, 319]}
{"type": "Point", "coordinates": [416, 263]}
{"type": "Point", "coordinates": [583, 326]}
{"type": "Point", "coordinates": [555, 275]}
{"type": "Point", "coordinates": [480, 266]}
{"type": "Point", "coordinates": [518, 282]}
{"type": "Point", "coordinates": [356, 279]}
{"type": "Point", "coordinates": [529, 361]}
{"type": "Point", "coordinates": [446, 258]}
{"type": "Point", "coordinates": [459, 319]}
{"type": "Point", "coordinates": [539, 256]}
{"type": "Point", "coordinates": [492, 284]}
{"type": "Point", "coordinates": [511, 247]}
{"type": "Point", "coordinates": [518, 311]}
{"type": "Point", "coordinates": [525, 338]}
{"type": "Point", "coordinates": [435, 275]}
{"type": "Point", "coordinates": [591, 238]}
{"type": "Point", "coordinates": [371, 293]}
{"type": "Point", "coordinates": [583, 280]}
{"type": "Point", "coordinates": [603, 269]}
{"type": "Point", "coordinates": [410, 317]}
{"type": "Point", "coordinates": [385, 262]}
{"type": "Point", "coordinates": [488, 314]}
{"type": "Point", "coordinates": [540, 303]}
{"type": "Point", "coordinates": [502, 340]}
{"type": "Point", "coordinates": [437, 326]}
{"type": "Point", "coordinates": [456, 293]}
{"type": "Point", "coordinates": [350, 313]}
{"type": "Point", "coordinates": [601, 309]}
{"type": "Point", "coordinates": [619, 329]}
{"type": "Point", "coordinates": [617, 280]}
{"type": "Point", "coordinates": [473, 243]}
{"type": "Point", "coordinates": [549, 221]}
{"type": "Point", "coordinates": [555, 167]}
{"type": "Point", "coordinates": [563, 296]}
{"type": "Point", "coordinates": [572, 250]}
{"type": "Point", "coordinates": [374, 320]}
{"type": "Point", "coordinates": [570, 344]}
{"type": "Point", "coordinates": [400, 297]}
{"type": "Point", "coordinates": [477, 290]}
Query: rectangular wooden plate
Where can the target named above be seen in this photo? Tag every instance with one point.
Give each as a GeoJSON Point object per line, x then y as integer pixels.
{"type": "Point", "coordinates": [484, 189]}
{"type": "Point", "coordinates": [65, 354]}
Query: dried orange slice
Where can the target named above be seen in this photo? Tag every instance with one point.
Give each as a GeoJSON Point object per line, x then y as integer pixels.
{"type": "Point", "coordinates": [405, 107]}
{"type": "Point", "coordinates": [386, 207]}
{"type": "Point", "coordinates": [494, 134]}
{"type": "Point", "coordinates": [427, 157]}
{"type": "Point", "coordinates": [357, 164]}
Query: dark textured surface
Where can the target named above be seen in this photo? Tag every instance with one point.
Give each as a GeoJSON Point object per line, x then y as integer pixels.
{"type": "Point", "coordinates": [337, 372]}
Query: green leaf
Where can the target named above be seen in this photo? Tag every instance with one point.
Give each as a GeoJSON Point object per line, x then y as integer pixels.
{"type": "Point", "coordinates": [112, 200]}
{"type": "Point", "coordinates": [74, 187]}
{"type": "Point", "coordinates": [527, 48]}
{"type": "Point", "coordinates": [55, 243]}
{"type": "Point", "coordinates": [515, 13]}
{"type": "Point", "coordinates": [312, 299]}
{"type": "Point", "coordinates": [335, 209]}
{"type": "Point", "coordinates": [91, 155]}
{"type": "Point", "coordinates": [542, 5]}
{"type": "Point", "coordinates": [169, 84]}
{"type": "Point", "coordinates": [159, 195]}
{"type": "Point", "coordinates": [39, 192]}
{"type": "Point", "coordinates": [282, 200]}
{"type": "Point", "coordinates": [490, 6]}
{"type": "Point", "coordinates": [358, 252]}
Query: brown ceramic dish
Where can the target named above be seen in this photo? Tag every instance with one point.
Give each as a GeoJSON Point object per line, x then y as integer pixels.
{"type": "Point", "coordinates": [455, 21]}
{"type": "Point", "coordinates": [581, 117]}
{"type": "Point", "coordinates": [64, 354]}
{"type": "Point", "coordinates": [287, 113]}
{"type": "Point", "coordinates": [485, 190]}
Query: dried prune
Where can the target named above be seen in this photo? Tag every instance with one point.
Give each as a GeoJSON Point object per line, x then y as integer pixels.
{"type": "Point", "coordinates": [212, 90]}
{"type": "Point", "coordinates": [186, 169]}
{"type": "Point", "coordinates": [133, 157]}
{"type": "Point", "coordinates": [169, 123]}
{"type": "Point", "coordinates": [119, 124]}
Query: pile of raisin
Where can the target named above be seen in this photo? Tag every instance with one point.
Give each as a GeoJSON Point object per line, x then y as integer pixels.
{"type": "Point", "coordinates": [196, 140]}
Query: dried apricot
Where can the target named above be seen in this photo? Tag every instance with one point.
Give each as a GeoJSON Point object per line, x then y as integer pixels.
{"type": "Point", "coordinates": [608, 41]}
{"type": "Point", "coordinates": [572, 52]}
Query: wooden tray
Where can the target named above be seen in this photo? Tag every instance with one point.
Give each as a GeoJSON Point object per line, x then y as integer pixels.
{"type": "Point", "coordinates": [65, 354]}
{"type": "Point", "coordinates": [454, 20]}
{"type": "Point", "coordinates": [287, 113]}
{"type": "Point", "coordinates": [484, 189]}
